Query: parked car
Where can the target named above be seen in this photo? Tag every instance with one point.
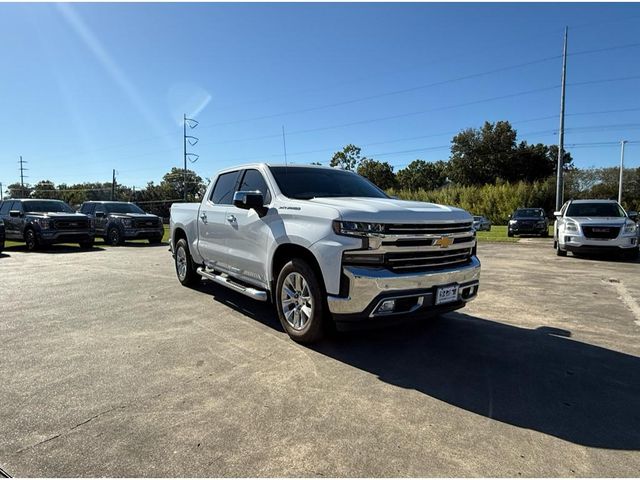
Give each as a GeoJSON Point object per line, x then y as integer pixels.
{"type": "Point", "coordinates": [481, 223]}
{"type": "Point", "coordinates": [325, 245]}
{"type": "Point", "coordinates": [595, 226]}
{"type": "Point", "coordinates": [45, 222]}
{"type": "Point", "coordinates": [529, 221]}
{"type": "Point", "coordinates": [1, 235]}
{"type": "Point", "coordinates": [116, 222]}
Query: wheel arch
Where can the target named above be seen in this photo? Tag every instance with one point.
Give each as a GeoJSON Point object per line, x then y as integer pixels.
{"type": "Point", "coordinates": [286, 252]}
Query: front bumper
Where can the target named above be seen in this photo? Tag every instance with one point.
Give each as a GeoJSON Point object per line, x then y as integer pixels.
{"type": "Point", "coordinates": [526, 229]}
{"type": "Point", "coordinates": [368, 287]}
{"type": "Point", "coordinates": [579, 243]}
{"type": "Point", "coordinates": [142, 233]}
{"type": "Point", "coordinates": [66, 236]}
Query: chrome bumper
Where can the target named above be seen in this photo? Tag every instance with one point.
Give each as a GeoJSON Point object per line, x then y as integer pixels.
{"type": "Point", "coordinates": [367, 284]}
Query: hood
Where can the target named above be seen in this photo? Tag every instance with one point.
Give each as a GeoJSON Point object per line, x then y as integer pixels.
{"type": "Point", "coordinates": [58, 215]}
{"type": "Point", "coordinates": [529, 219]}
{"type": "Point", "coordinates": [143, 216]}
{"type": "Point", "coordinates": [613, 221]}
{"type": "Point", "coordinates": [390, 210]}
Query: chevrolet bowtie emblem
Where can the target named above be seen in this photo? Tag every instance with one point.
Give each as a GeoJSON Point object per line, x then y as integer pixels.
{"type": "Point", "coordinates": [443, 242]}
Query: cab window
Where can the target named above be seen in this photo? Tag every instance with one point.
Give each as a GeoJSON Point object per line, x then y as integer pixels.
{"type": "Point", "coordinates": [224, 188]}
{"type": "Point", "coordinates": [6, 207]}
{"type": "Point", "coordinates": [254, 181]}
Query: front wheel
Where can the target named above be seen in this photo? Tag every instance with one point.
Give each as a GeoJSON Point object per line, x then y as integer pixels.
{"type": "Point", "coordinates": [114, 237]}
{"type": "Point", "coordinates": [31, 240]}
{"type": "Point", "coordinates": [509, 233]}
{"type": "Point", "coordinates": [185, 269]}
{"type": "Point", "coordinates": [87, 244]}
{"type": "Point", "coordinates": [299, 299]}
{"type": "Point", "coordinates": [155, 240]}
{"type": "Point", "coordinates": [559, 251]}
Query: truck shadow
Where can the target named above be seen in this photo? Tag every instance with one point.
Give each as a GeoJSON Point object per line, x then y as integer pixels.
{"type": "Point", "coordinates": [539, 379]}
{"type": "Point", "coordinates": [53, 249]}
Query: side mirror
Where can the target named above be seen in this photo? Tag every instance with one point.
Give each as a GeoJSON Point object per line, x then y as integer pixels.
{"type": "Point", "coordinates": [100, 215]}
{"type": "Point", "coordinates": [249, 200]}
{"type": "Point", "coordinates": [15, 213]}
{"type": "Point", "coordinates": [633, 216]}
{"type": "Point", "coordinates": [557, 213]}
{"type": "Point", "coordinates": [509, 216]}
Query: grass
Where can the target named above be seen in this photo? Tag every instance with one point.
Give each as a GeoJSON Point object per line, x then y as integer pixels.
{"type": "Point", "coordinates": [99, 241]}
{"type": "Point", "coordinates": [498, 233]}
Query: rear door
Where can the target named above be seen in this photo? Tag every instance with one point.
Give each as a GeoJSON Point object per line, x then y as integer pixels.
{"type": "Point", "coordinates": [13, 225]}
{"type": "Point", "coordinates": [212, 223]}
{"type": "Point", "coordinates": [9, 225]}
{"type": "Point", "coordinates": [248, 232]}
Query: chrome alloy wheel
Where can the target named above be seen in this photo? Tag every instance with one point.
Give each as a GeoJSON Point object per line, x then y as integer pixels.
{"type": "Point", "coordinates": [296, 301]}
{"type": "Point", "coordinates": [181, 263]}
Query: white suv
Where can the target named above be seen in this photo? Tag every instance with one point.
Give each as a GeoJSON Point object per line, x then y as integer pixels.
{"type": "Point", "coordinates": [595, 226]}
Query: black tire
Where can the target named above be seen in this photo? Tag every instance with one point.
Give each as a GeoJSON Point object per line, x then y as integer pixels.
{"type": "Point", "coordinates": [87, 244]}
{"type": "Point", "coordinates": [114, 237]}
{"type": "Point", "coordinates": [185, 268]}
{"type": "Point", "coordinates": [632, 254]}
{"type": "Point", "coordinates": [31, 239]}
{"type": "Point", "coordinates": [509, 233]}
{"type": "Point", "coordinates": [559, 251]}
{"type": "Point", "coordinates": [155, 240]}
{"type": "Point", "coordinates": [545, 234]}
{"type": "Point", "coordinates": [291, 308]}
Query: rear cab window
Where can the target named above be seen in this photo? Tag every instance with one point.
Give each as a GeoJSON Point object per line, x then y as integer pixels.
{"type": "Point", "coordinates": [225, 187]}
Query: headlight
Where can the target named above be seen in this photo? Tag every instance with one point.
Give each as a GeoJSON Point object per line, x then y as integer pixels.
{"type": "Point", "coordinates": [630, 227]}
{"type": "Point", "coordinates": [357, 229]}
{"type": "Point", "coordinates": [45, 223]}
{"type": "Point", "coordinates": [571, 226]}
{"type": "Point", "coordinates": [512, 222]}
{"type": "Point", "coordinates": [127, 222]}
{"type": "Point", "coordinates": [1, 222]}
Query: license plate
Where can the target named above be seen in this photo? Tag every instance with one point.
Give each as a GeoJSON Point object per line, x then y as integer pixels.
{"type": "Point", "coordinates": [446, 294]}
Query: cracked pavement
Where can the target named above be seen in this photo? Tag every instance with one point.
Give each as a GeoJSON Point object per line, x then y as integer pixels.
{"type": "Point", "coordinates": [111, 368]}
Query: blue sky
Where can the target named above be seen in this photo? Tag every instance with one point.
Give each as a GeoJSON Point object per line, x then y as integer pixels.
{"type": "Point", "coordinates": [90, 87]}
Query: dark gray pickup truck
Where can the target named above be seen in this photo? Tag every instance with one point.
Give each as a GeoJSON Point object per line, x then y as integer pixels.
{"type": "Point", "coordinates": [44, 222]}
{"type": "Point", "coordinates": [120, 221]}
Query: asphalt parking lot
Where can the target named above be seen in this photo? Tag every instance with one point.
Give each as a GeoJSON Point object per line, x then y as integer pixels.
{"type": "Point", "coordinates": [111, 368]}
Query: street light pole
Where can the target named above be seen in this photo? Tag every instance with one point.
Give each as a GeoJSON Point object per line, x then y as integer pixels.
{"type": "Point", "coordinates": [559, 175]}
{"type": "Point", "coordinates": [621, 171]}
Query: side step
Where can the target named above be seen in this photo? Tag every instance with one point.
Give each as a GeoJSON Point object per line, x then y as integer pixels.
{"type": "Point", "coordinates": [251, 292]}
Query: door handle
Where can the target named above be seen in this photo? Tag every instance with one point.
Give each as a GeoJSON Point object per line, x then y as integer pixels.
{"type": "Point", "coordinates": [231, 218]}
{"type": "Point", "coordinates": [204, 218]}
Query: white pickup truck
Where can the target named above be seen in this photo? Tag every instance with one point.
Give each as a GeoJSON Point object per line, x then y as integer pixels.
{"type": "Point", "coordinates": [326, 246]}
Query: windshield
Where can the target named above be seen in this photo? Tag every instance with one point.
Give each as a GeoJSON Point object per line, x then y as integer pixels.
{"type": "Point", "coordinates": [528, 213]}
{"type": "Point", "coordinates": [595, 210]}
{"type": "Point", "coordinates": [46, 206]}
{"type": "Point", "coordinates": [305, 183]}
{"type": "Point", "coordinates": [122, 208]}
{"type": "Point", "coordinates": [477, 219]}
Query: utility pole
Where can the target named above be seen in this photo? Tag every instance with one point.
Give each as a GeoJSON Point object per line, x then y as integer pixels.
{"type": "Point", "coordinates": [113, 185]}
{"type": "Point", "coordinates": [22, 176]}
{"type": "Point", "coordinates": [621, 171]}
{"type": "Point", "coordinates": [284, 144]}
{"type": "Point", "coordinates": [1, 195]}
{"type": "Point", "coordinates": [192, 141]}
{"type": "Point", "coordinates": [559, 179]}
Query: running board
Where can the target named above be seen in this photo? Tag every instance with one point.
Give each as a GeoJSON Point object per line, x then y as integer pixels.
{"type": "Point", "coordinates": [254, 293]}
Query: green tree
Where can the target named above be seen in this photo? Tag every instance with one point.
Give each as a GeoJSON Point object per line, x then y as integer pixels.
{"type": "Point", "coordinates": [423, 175]}
{"type": "Point", "coordinates": [480, 156]}
{"type": "Point", "coordinates": [172, 185]}
{"type": "Point", "coordinates": [380, 173]}
{"type": "Point", "coordinates": [15, 190]}
{"type": "Point", "coordinates": [348, 158]}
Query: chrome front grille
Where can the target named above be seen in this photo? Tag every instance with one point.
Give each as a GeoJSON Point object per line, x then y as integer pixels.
{"type": "Point", "coordinates": [417, 247]}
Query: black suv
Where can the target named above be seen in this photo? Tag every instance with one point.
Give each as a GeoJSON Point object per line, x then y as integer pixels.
{"type": "Point", "coordinates": [120, 221]}
{"type": "Point", "coordinates": [1, 234]}
{"type": "Point", "coordinates": [528, 221]}
{"type": "Point", "coordinates": [45, 222]}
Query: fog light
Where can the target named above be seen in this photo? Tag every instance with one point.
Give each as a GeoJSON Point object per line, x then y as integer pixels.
{"type": "Point", "coordinates": [567, 239]}
{"type": "Point", "coordinates": [387, 306]}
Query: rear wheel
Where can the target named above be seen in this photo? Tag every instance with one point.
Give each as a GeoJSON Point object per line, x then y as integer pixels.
{"type": "Point", "coordinates": [31, 240]}
{"type": "Point", "coordinates": [300, 301]}
{"type": "Point", "coordinates": [185, 269]}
